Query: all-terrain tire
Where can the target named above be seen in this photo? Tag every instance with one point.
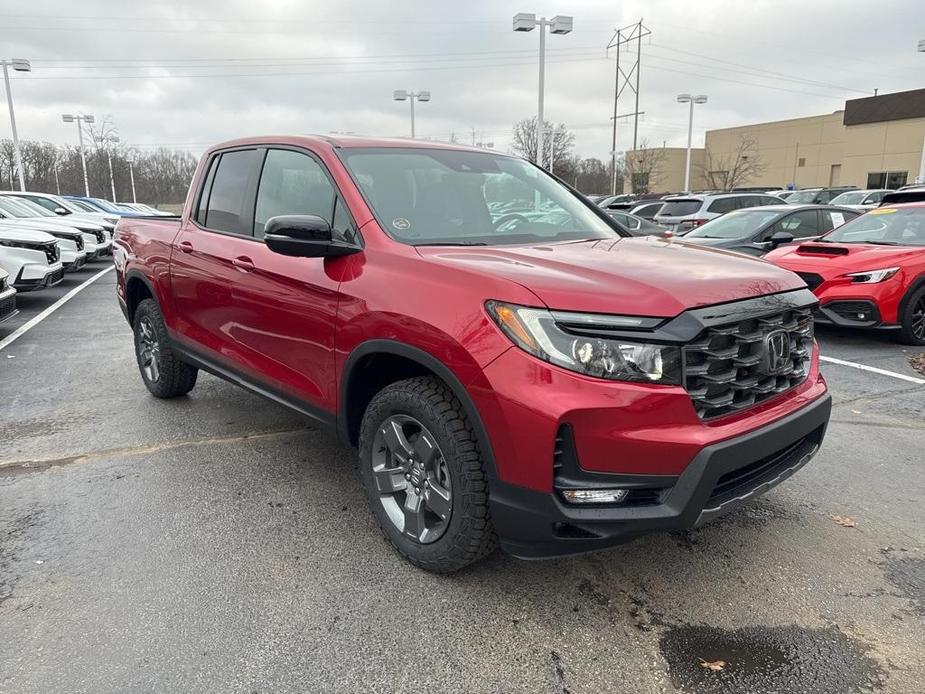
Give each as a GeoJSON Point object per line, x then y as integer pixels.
{"type": "Point", "coordinates": [469, 535]}
{"type": "Point", "coordinates": [912, 319]}
{"type": "Point", "coordinates": [172, 377]}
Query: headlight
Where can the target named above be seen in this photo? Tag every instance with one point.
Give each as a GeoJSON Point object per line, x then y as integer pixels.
{"type": "Point", "coordinates": [536, 331]}
{"type": "Point", "coordinates": [872, 276]}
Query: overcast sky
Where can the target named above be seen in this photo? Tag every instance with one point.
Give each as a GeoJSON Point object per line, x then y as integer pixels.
{"type": "Point", "coordinates": [188, 74]}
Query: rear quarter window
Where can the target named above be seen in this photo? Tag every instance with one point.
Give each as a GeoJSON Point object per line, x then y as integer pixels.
{"type": "Point", "coordinates": [722, 205]}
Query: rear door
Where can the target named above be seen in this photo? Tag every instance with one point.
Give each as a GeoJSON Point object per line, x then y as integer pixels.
{"type": "Point", "coordinates": [203, 273]}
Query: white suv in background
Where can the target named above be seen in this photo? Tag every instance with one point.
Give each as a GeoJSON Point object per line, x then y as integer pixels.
{"type": "Point", "coordinates": [100, 231]}
{"type": "Point", "coordinates": [32, 258]}
{"type": "Point", "coordinates": [860, 199]}
{"type": "Point", "coordinates": [682, 213]}
{"type": "Point", "coordinates": [7, 297]}
{"type": "Point", "coordinates": [54, 206]}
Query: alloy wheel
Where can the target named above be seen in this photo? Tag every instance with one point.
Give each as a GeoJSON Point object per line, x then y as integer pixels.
{"type": "Point", "coordinates": [412, 479]}
{"type": "Point", "coordinates": [149, 350]}
{"type": "Point", "coordinates": [918, 318]}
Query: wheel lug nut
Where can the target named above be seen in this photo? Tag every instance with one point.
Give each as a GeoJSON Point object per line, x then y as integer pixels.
{"type": "Point", "coordinates": [407, 476]}
{"type": "Point", "coordinates": [417, 490]}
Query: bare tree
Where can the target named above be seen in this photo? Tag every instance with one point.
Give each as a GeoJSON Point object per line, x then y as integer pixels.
{"type": "Point", "coordinates": [557, 145]}
{"type": "Point", "coordinates": [731, 170]}
{"type": "Point", "coordinates": [644, 167]}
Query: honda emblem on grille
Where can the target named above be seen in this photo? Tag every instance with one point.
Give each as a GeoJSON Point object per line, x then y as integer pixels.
{"type": "Point", "coordinates": [777, 349]}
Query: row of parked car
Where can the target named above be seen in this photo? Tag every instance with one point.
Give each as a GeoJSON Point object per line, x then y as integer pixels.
{"type": "Point", "coordinates": [44, 236]}
{"type": "Point", "coordinates": [862, 252]}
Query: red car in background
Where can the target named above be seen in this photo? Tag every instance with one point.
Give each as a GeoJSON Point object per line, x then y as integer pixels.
{"type": "Point", "coordinates": [869, 272]}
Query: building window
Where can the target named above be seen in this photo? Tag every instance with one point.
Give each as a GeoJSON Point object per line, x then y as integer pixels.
{"type": "Point", "coordinates": [887, 179]}
{"type": "Point", "coordinates": [801, 161]}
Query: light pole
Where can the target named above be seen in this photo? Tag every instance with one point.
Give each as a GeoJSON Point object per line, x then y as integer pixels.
{"type": "Point", "coordinates": [559, 24]}
{"type": "Point", "coordinates": [19, 65]}
{"type": "Point", "coordinates": [404, 95]}
{"type": "Point", "coordinates": [684, 99]}
{"type": "Point", "coordinates": [106, 141]}
{"type": "Point", "coordinates": [131, 174]}
{"type": "Point", "coordinates": [80, 119]}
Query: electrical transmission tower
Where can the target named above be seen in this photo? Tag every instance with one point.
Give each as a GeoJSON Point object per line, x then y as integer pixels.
{"type": "Point", "coordinates": [623, 79]}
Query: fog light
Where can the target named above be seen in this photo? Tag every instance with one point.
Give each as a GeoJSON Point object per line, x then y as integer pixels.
{"type": "Point", "coordinates": [594, 496]}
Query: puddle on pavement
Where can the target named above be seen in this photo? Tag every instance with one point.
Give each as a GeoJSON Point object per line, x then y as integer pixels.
{"type": "Point", "coordinates": [768, 660]}
{"type": "Point", "coordinates": [908, 575]}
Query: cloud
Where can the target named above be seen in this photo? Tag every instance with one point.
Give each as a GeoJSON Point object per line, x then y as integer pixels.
{"type": "Point", "coordinates": [172, 72]}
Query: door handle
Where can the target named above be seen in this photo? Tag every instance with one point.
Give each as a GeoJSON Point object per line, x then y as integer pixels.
{"type": "Point", "coordinates": [243, 263]}
{"type": "Point", "coordinates": [186, 246]}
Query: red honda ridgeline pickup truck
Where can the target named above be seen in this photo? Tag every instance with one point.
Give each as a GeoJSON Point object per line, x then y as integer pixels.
{"type": "Point", "coordinates": [511, 366]}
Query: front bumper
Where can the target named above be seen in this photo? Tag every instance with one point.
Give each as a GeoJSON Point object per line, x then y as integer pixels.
{"type": "Point", "coordinates": [30, 280]}
{"type": "Point", "coordinates": [534, 524]}
{"type": "Point", "coordinates": [75, 263]}
{"type": "Point", "coordinates": [7, 304]}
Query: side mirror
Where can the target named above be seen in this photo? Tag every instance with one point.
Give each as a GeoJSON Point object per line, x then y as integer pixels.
{"type": "Point", "coordinates": [60, 210]}
{"type": "Point", "coordinates": [779, 238]}
{"type": "Point", "coordinates": [303, 236]}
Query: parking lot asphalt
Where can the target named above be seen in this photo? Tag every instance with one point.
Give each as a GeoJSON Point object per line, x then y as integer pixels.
{"type": "Point", "coordinates": [219, 543]}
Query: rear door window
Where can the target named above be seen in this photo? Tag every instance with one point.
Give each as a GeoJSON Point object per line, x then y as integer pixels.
{"type": "Point", "coordinates": [722, 205]}
{"type": "Point", "coordinates": [801, 224]}
{"type": "Point", "coordinates": [230, 206]}
{"type": "Point", "coordinates": [680, 208]}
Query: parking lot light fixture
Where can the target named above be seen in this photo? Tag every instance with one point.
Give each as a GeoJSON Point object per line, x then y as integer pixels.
{"type": "Point", "coordinates": [105, 142]}
{"type": "Point", "coordinates": [80, 119]}
{"type": "Point", "coordinates": [688, 99]}
{"type": "Point", "coordinates": [404, 95]}
{"type": "Point", "coordinates": [560, 24]}
{"type": "Point", "coordinates": [131, 173]}
{"type": "Point", "coordinates": [19, 65]}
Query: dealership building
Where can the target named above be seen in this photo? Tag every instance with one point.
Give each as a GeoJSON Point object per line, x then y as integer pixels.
{"type": "Point", "coordinates": [874, 142]}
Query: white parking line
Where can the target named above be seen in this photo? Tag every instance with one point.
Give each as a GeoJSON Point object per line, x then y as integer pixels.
{"type": "Point", "coordinates": [873, 369]}
{"type": "Point", "coordinates": [28, 325]}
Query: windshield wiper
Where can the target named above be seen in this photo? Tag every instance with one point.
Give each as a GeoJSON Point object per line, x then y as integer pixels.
{"type": "Point", "coordinates": [882, 243]}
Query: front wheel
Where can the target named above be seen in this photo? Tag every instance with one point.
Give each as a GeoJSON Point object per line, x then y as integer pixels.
{"type": "Point", "coordinates": [912, 320]}
{"type": "Point", "coordinates": [424, 477]}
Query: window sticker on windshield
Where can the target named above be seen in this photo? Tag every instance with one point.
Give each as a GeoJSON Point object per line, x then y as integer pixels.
{"type": "Point", "coordinates": [837, 218]}
{"type": "Point", "coordinates": [401, 224]}
{"type": "Point", "coordinates": [883, 210]}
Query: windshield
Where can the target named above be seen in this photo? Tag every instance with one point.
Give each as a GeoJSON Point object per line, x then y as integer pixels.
{"type": "Point", "coordinates": [886, 226]}
{"type": "Point", "coordinates": [848, 199]}
{"type": "Point", "coordinates": [738, 224]}
{"type": "Point", "coordinates": [437, 196]}
{"type": "Point", "coordinates": [14, 208]}
{"type": "Point", "coordinates": [802, 196]}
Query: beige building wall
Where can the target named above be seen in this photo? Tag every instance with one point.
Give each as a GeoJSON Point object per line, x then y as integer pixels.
{"type": "Point", "coordinates": [883, 147]}
{"type": "Point", "coordinates": [804, 151]}
{"type": "Point", "coordinates": [667, 175]}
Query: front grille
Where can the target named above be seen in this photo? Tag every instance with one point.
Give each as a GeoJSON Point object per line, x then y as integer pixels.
{"type": "Point", "coordinates": [52, 252]}
{"type": "Point", "coordinates": [100, 235]}
{"type": "Point", "coordinates": [56, 276]}
{"type": "Point", "coordinates": [811, 278]}
{"type": "Point", "coordinates": [747, 477]}
{"type": "Point", "coordinates": [7, 306]}
{"type": "Point", "coordinates": [727, 368]}
{"type": "Point", "coordinates": [80, 242]}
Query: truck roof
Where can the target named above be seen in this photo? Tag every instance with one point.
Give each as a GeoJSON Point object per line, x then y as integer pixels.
{"type": "Point", "coordinates": [346, 141]}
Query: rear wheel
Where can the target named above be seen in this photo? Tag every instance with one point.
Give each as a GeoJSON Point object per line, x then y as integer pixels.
{"type": "Point", "coordinates": [424, 477]}
{"type": "Point", "coordinates": [164, 375]}
{"type": "Point", "coordinates": [912, 320]}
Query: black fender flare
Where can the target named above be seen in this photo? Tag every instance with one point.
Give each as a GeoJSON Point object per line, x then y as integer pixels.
{"type": "Point", "coordinates": [138, 275]}
{"type": "Point", "coordinates": [429, 362]}
{"type": "Point", "coordinates": [914, 286]}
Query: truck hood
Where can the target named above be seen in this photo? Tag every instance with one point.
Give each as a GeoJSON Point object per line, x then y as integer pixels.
{"type": "Point", "coordinates": [831, 259]}
{"type": "Point", "coordinates": [73, 222]}
{"type": "Point", "coordinates": [37, 225]}
{"type": "Point", "coordinates": [644, 276]}
{"type": "Point", "coordinates": [26, 235]}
